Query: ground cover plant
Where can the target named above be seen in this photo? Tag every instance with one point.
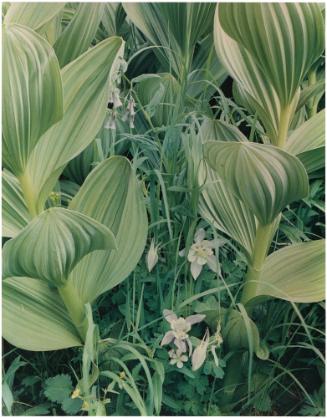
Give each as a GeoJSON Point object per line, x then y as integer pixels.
{"type": "Point", "coordinates": [163, 209]}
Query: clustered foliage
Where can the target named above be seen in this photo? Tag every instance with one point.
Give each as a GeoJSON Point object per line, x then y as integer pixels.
{"type": "Point", "coordinates": [163, 209]}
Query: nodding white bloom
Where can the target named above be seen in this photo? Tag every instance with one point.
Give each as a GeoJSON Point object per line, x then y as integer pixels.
{"type": "Point", "coordinates": [201, 253]}
{"type": "Point", "coordinates": [177, 357]}
{"type": "Point", "coordinates": [179, 330]}
{"type": "Point", "coordinates": [200, 353]}
{"type": "Point", "coordinates": [114, 98]}
{"type": "Point", "coordinates": [152, 256]}
{"type": "Point", "coordinates": [110, 122]}
{"type": "Point", "coordinates": [131, 106]}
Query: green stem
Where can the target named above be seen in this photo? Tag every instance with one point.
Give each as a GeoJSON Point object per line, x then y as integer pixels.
{"type": "Point", "coordinates": [75, 307]}
{"type": "Point", "coordinates": [261, 246]}
{"type": "Point", "coordinates": [312, 103]}
{"type": "Point", "coordinates": [28, 193]}
{"type": "Point", "coordinates": [284, 122]}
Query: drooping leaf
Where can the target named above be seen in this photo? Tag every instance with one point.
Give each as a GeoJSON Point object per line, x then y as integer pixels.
{"type": "Point", "coordinates": [218, 205]}
{"type": "Point", "coordinates": [34, 316]}
{"type": "Point", "coordinates": [85, 86]}
{"type": "Point", "coordinates": [307, 142]}
{"type": "Point", "coordinates": [295, 273]}
{"type": "Point", "coordinates": [111, 195]}
{"type": "Point", "coordinates": [15, 215]}
{"type": "Point", "coordinates": [50, 246]}
{"type": "Point", "coordinates": [285, 39]}
{"type": "Point", "coordinates": [33, 15]}
{"type": "Point", "coordinates": [263, 177]}
{"type": "Point", "coordinates": [174, 27]}
{"type": "Point", "coordinates": [78, 35]}
{"type": "Point", "coordinates": [32, 94]}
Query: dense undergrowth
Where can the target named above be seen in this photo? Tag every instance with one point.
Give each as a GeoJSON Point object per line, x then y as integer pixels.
{"type": "Point", "coordinates": [177, 105]}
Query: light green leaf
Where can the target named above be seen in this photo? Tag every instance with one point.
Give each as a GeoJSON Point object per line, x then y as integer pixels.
{"type": "Point", "coordinates": [311, 91]}
{"type": "Point", "coordinates": [218, 205]}
{"type": "Point", "coordinates": [15, 215]}
{"type": "Point", "coordinates": [263, 177]}
{"type": "Point", "coordinates": [33, 15]}
{"type": "Point", "coordinates": [85, 85]}
{"type": "Point", "coordinates": [113, 18]}
{"type": "Point", "coordinates": [295, 273]}
{"type": "Point", "coordinates": [111, 195]}
{"type": "Point", "coordinates": [32, 94]}
{"type": "Point", "coordinates": [307, 142]}
{"type": "Point", "coordinates": [34, 316]}
{"type": "Point", "coordinates": [53, 243]}
{"type": "Point", "coordinates": [80, 32]}
{"type": "Point", "coordinates": [285, 39]}
{"type": "Point", "coordinates": [174, 27]}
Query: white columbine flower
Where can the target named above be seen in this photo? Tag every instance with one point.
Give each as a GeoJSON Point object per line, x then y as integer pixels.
{"type": "Point", "coordinates": [152, 256]}
{"type": "Point", "coordinates": [177, 358]}
{"type": "Point", "coordinates": [179, 330]}
{"type": "Point", "coordinates": [201, 253]}
{"type": "Point", "coordinates": [200, 353]}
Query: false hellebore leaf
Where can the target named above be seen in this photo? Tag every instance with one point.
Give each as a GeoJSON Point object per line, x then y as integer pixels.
{"type": "Point", "coordinates": [31, 76]}
{"type": "Point", "coordinates": [264, 177]}
{"type": "Point", "coordinates": [53, 243]}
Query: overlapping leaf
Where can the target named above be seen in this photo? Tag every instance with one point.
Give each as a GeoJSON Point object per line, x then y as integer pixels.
{"type": "Point", "coordinates": [263, 177]}
{"type": "Point", "coordinates": [53, 243]}
{"type": "Point", "coordinates": [85, 86]}
{"type": "Point", "coordinates": [111, 195]}
{"type": "Point", "coordinates": [34, 316]}
{"type": "Point", "coordinates": [295, 273]}
{"type": "Point", "coordinates": [31, 77]}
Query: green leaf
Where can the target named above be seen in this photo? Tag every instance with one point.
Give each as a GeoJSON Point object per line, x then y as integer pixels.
{"type": "Point", "coordinates": [33, 15]}
{"type": "Point", "coordinates": [311, 91]}
{"type": "Point", "coordinates": [79, 33]}
{"type": "Point", "coordinates": [32, 94]}
{"type": "Point", "coordinates": [263, 177]}
{"type": "Point", "coordinates": [58, 388]}
{"type": "Point", "coordinates": [295, 273]}
{"type": "Point", "coordinates": [284, 39]}
{"type": "Point", "coordinates": [174, 27]}
{"type": "Point", "coordinates": [218, 205]}
{"type": "Point", "coordinates": [112, 196]}
{"type": "Point", "coordinates": [15, 215]}
{"type": "Point", "coordinates": [85, 84]}
{"type": "Point", "coordinates": [53, 243]}
{"type": "Point", "coordinates": [72, 406]}
{"type": "Point", "coordinates": [34, 316]}
{"type": "Point", "coordinates": [307, 142]}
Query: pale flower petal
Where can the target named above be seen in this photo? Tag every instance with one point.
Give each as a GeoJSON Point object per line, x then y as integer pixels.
{"type": "Point", "coordinates": [182, 253]}
{"type": "Point", "coordinates": [180, 344]}
{"type": "Point", "coordinates": [169, 315]}
{"type": "Point", "coordinates": [199, 235]}
{"type": "Point", "coordinates": [195, 319]}
{"type": "Point", "coordinates": [200, 353]}
{"type": "Point", "coordinates": [214, 243]}
{"type": "Point", "coordinates": [195, 270]}
{"type": "Point", "coordinates": [168, 338]}
{"type": "Point", "coordinates": [213, 263]}
{"type": "Point", "coordinates": [179, 364]}
{"type": "Point", "coordinates": [201, 260]}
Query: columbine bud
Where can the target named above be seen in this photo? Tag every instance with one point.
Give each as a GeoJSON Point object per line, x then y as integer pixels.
{"type": "Point", "coordinates": [200, 353]}
{"type": "Point", "coordinates": [152, 256]}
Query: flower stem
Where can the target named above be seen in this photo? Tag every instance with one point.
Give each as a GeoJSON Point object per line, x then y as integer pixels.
{"type": "Point", "coordinates": [284, 123]}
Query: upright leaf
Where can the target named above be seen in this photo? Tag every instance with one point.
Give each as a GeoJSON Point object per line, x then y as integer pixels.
{"type": "Point", "coordinates": [111, 195]}
{"type": "Point", "coordinates": [263, 177]}
{"type": "Point", "coordinates": [32, 94]}
{"type": "Point", "coordinates": [53, 243]}
{"type": "Point", "coordinates": [34, 316]}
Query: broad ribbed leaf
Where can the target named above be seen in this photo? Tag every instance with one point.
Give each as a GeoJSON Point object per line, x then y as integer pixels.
{"type": "Point", "coordinates": [111, 195]}
{"type": "Point", "coordinates": [307, 142]}
{"type": "Point", "coordinates": [113, 18]}
{"type": "Point", "coordinates": [295, 273]}
{"type": "Point", "coordinates": [80, 32]}
{"type": "Point", "coordinates": [53, 243]}
{"type": "Point", "coordinates": [284, 39]}
{"type": "Point", "coordinates": [218, 205]}
{"type": "Point", "coordinates": [174, 27]}
{"type": "Point", "coordinates": [34, 316]}
{"type": "Point", "coordinates": [33, 15]}
{"type": "Point", "coordinates": [15, 215]}
{"type": "Point", "coordinates": [85, 86]}
{"type": "Point", "coordinates": [32, 94]}
{"type": "Point", "coordinates": [311, 91]}
{"type": "Point", "coordinates": [263, 177]}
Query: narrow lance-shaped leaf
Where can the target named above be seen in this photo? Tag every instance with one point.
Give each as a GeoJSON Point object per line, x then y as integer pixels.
{"type": "Point", "coordinates": [32, 94]}
{"type": "Point", "coordinates": [80, 32]}
{"type": "Point", "coordinates": [34, 316]}
{"type": "Point", "coordinates": [112, 196]}
{"type": "Point", "coordinates": [263, 177]}
{"type": "Point", "coordinates": [53, 243]}
{"type": "Point", "coordinates": [85, 85]}
{"type": "Point", "coordinates": [33, 15]}
{"type": "Point", "coordinates": [295, 273]}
